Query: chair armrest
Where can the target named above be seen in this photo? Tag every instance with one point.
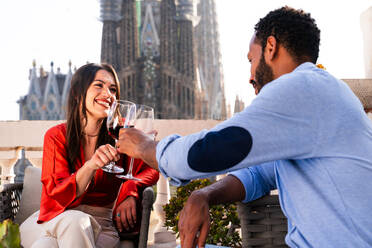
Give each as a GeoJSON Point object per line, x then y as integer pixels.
{"type": "Point", "coordinates": [10, 196]}
{"type": "Point", "coordinates": [148, 199]}
{"type": "Point", "coordinates": [140, 239]}
{"type": "Point", "coordinates": [263, 223]}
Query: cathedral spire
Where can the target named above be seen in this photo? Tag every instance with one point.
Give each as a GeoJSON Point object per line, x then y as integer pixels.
{"type": "Point", "coordinates": [110, 10]}
{"type": "Point", "coordinates": [34, 81]}
{"type": "Point", "coordinates": [149, 33]}
{"type": "Point", "coordinates": [209, 59]}
{"type": "Point", "coordinates": [168, 33]}
{"type": "Point", "coordinates": [51, 97]}
{"type": "Point", "coordinates": [110, 15]}
{"type": "Point", "coordinates": [129, 50]}
{"type": "Point", "coordinates": [186, 53]}
{"type": "Point", "coordinates": [239, 105]}
{"type": "Point", "coordinates": [186, 11]}
{"type": "Point", "coordinates": [65, 91]}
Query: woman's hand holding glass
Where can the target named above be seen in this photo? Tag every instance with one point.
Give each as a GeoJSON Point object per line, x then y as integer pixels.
{"type": "Point", "coordinates": [102, 156]}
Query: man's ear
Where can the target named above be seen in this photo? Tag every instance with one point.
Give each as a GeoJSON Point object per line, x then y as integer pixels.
{"type": "Point", "coordinates": [271, 48]}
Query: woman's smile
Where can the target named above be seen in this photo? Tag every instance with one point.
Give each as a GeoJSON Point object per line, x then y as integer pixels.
{"type": "Point", "coordinates": [106, 103]}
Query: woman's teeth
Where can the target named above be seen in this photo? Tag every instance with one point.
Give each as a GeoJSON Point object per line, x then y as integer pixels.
{"type": "Point", "coordinates": [104, 103]}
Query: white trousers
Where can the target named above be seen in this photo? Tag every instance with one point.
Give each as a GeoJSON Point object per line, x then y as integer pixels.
{"type": "Point", "coordinates": [84, 226]}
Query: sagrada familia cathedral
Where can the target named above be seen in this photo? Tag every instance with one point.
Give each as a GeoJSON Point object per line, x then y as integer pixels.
{"type": "Point", "coordinates": [166, 53]}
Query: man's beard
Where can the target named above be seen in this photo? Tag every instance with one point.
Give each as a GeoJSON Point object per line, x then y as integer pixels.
{"type": "Point", "coordinates": [264, 74]}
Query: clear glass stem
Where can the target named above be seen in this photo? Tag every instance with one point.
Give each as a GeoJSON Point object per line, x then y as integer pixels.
{"type": "Point", "coordinates": [112, 167]}
{"type": "Point", "coordinates": [109, 165]}
{"type": "Point", "coordinates": [130, 167]}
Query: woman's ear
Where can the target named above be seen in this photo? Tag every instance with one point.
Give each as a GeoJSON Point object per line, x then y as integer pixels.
{"type": "Point", "coordinates": [271, 48]}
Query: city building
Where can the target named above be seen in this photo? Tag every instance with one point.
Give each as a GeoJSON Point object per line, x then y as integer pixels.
{"type": "Point", "coordinates": [167, 55]}
{"type": "Point", "coordinates": [47, 94]}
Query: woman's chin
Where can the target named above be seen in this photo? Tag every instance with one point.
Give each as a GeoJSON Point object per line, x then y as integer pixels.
{"type": "Point", "coordinates": [99, 115]}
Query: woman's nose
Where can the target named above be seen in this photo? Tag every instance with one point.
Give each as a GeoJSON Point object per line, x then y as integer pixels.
{"type": "Point", "coordinates": [107, 92]}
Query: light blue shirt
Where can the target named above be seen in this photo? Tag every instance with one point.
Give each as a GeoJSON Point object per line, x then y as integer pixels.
{"type": "Point", "coordinates": [305, 134]}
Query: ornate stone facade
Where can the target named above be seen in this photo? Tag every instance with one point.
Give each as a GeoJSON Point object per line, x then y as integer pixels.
{"type": "Point", "coordinates": [239, 105]}
{"type": "Point", "coordinates": [47, 95]}
{"type": "Point", "coordinates": [209, 63]}
{"type": "Point", "coordinates": [166, 53]}
{"type": "Point", "coordinates": [154, 46]}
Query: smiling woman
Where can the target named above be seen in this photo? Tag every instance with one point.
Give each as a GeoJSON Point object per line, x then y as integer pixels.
{"type": "Point", "coordinates": [101, 93]}
{"type": "Point", "coordinates": [93, 88]}
{"type": "Point", "coordinates": [75, 188]}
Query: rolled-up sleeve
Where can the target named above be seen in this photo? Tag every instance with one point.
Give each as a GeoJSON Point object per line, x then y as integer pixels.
{"type": "Point", "coordinates": [257, 180]}
{"type": "Point", "coordinates": [163, 162]}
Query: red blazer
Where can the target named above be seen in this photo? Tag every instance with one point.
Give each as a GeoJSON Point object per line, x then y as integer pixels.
{"type": "Point", "coordinates": [59, 185]}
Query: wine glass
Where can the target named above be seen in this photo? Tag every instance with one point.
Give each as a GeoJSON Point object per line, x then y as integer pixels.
{"type": "Point", "coordinates": [121, 115]}
{"type": "Point", "coordinates": [144, 122]}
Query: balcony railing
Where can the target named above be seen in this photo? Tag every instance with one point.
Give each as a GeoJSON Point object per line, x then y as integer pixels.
{"type": "Point", "coordinates": [21, 140]}
{"type": "Point", "coordinates": [28, 135]}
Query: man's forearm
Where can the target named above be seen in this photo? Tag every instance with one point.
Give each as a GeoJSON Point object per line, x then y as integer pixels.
{"type": "Point", "coordinates": [194, 218]}
{"type": "Point", "coordinates": [148, 154]}
{"type": "Point", "coordinates": [227, 190]}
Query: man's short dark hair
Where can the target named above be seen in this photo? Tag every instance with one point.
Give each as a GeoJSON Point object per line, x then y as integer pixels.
{"type": "Point", "coordinates": [294, 29]}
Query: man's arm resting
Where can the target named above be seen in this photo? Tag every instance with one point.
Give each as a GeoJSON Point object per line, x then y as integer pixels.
{"type": "Point", "coordinates": [194, 217]}
{"type": "Point", "coordinates": [227, 190]}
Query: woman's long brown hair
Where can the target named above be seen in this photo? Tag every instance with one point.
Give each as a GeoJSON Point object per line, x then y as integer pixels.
{"type": "Point", "coordinates": [80, 82]}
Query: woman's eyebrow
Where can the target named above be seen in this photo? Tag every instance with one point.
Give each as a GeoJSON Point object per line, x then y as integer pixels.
{"type": "Point", "coordinates": [99, 80]}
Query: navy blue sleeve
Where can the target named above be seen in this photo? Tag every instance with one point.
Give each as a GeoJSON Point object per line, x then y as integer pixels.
{"type": "Point", "coordinates": [220, 149]}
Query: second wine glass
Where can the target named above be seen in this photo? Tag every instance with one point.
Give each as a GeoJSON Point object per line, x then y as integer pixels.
{"type": "Point", "coordinates": [121, 115]}
{"type": "Point", "coordinates": [144, 122]}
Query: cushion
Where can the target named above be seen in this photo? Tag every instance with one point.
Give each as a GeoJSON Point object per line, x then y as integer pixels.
{"type": "Point", "coordinates": [31, 194]}
{"type": "Point", "coordinates": [362, 88]}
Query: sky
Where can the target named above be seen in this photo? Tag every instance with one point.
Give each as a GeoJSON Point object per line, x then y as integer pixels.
{"type": "Point", "coordinates": [64, 30]}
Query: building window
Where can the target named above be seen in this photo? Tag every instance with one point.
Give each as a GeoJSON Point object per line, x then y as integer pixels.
{"type": "Point", "coordinates": [51, 105]}
{"type": "Point", "coordinates": [174, 91]}
{"type": "Point", "coordinates": [178, 100]}
{"type": "Point", "coordinates": [188, 103]}
{"type": "Point", "coordinates": [183, 98]}
{"type": "Point", "coordinates": [33, 105]}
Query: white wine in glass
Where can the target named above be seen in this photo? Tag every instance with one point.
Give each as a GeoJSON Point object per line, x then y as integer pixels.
{"type": "Point", "coordinates": [144, 121]}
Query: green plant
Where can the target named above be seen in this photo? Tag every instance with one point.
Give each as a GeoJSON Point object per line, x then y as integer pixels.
{"type": "Point", "coordinates": [9, 235]}
{"type": "Point", "coordinates": [224, 217]}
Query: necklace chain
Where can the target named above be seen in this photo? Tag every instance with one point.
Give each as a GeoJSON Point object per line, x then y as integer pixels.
{"type": "Point", "coordinates": [89, 135]}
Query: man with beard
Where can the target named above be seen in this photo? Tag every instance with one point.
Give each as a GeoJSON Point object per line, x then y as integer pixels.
{"type": "Point", "coordinates": [305, 134]}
